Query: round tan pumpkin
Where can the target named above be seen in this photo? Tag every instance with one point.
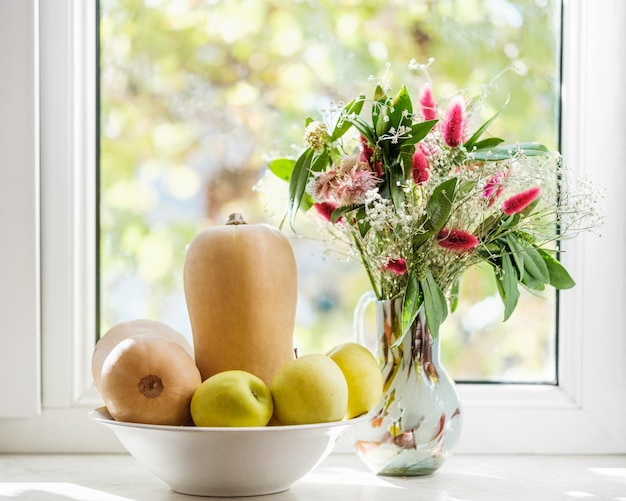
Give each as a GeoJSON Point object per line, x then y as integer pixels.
{"type": "Point", "coordinates": [149, 379]}
{"type": "Point", "coordinates": [240, 285]}
{"type": "Point", "coordinates": [124, 330]}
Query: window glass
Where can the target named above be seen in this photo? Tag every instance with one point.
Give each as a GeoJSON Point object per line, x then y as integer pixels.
{"type": "Point", "coordinates": [196, 95]}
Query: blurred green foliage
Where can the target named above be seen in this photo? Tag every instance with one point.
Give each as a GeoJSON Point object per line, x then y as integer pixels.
{"type": "Point", "coordinates": [196, 93]}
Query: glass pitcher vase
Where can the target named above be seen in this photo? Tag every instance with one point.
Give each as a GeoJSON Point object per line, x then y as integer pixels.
{"type": "Point", "coordinates": [418, 421]}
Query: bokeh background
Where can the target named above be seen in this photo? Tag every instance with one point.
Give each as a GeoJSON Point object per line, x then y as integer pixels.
{"type": "Point", "coordinates": [197, 95]}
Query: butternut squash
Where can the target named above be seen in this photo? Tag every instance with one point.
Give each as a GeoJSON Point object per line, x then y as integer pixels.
{"type": "Point", "coordinates": [240, 284]}
{"type": "Point", "coordinates": [149, 379]}
{"type": "Point", "coordinates": [124, 330]}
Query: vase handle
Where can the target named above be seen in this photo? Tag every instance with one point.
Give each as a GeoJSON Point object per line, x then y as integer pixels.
{"type": "Point", "coordinates": [359, 316]}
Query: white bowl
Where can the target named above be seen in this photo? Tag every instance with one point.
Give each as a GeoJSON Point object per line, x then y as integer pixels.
{"type": "Point", "coordinates": [226, 461]}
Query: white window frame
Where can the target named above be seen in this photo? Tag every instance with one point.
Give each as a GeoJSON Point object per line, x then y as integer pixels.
{"type": "Point", "coordinates": [19, 211]}
{"type": "Point", "coordinates": [50, 227]}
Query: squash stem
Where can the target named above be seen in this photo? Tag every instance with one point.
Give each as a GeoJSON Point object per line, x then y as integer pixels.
{"type": "Point", "coordinates": [235, 218]}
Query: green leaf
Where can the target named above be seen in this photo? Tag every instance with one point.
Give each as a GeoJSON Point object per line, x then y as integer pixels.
{"type": "Point", "coordinates": [379, 99]}
{"type": "Point", "coordinates": [406, 156]}
{"type": "Point", "coordinates": [487, 225]}
{"type": "Point", "coordinates": [517, 253]}
{"type": "Point", "coordinates": [411, 305]}
{"type": "Point", "coordinates": [438, 211]}
{"type": "Point", "coordinates": [439, 205]}
{"type": "Point", "coordinates": [435, 305]}
{"type": "Point", "coordinates": [510, 221]}
{"type": "Point", "coordinates": [297, 184]}
{"type": "Point", "coordinates": [486, 144]}
{"type": "Point", "coordinates": [559, 277]}
{"type": "Point", "coordinates": [383, 123]}
{"type": "Point", "coordinates": [531, 284]}
{"type": "Point", "coordinates": [534, 149]}
{"type": "Point", "coordinates": [396, 183]}
{"type": "Point", "coordinates": [536, 266]}
{"type": "Point", "coordinates": [319, 161]}
{"type": "Point", "coordinates": [530, 259]}
{"type": "Point", "coordinates": [282, 168]}
{"type": "Point", "coordinates": [363, 127]}
{"type": "Point", "coordinates": [493, 155]}
{"type": "Point", "coordinates": [362, 222]}
{"type": "Point", "coordinates": [454, 295]}
{"type": "Point", "coordinates": [469, 144]}
{"type": "Point", "coordinates": [353, 108]}
{"type": "Point", "coordinates": [339, 212]}
{"type": "Point", "coordinates": [401, 109]}
{"type": "Point", "coordinates": [380, 94]}
{"type": "Point", "coordinates": [510, 151]}
{"type": "Point", "coordinates": [466, 188]}
{"type": "Point", "coordinates": [419, 131]}
{"type": "Point", "coordinates": [507, 286]}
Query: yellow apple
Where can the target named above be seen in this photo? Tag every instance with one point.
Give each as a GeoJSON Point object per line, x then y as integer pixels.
{"type": "Point", "coordinates": [309, 389]}
{"type": "Point", "coordinates": [363, 375]}
{"type": "Point", "coordinates": [232, 398]}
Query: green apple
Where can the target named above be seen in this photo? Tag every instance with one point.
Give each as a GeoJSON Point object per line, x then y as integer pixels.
{"type": "Point", "coordinates": [232, 398]}
{"type": "Point", "coordinates": [363, 375]}
{"type": "Point", "coordinates": [309, 389]}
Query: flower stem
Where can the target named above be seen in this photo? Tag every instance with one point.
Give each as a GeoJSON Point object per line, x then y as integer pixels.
{"type": "Point", "coordinates": [367, 268]}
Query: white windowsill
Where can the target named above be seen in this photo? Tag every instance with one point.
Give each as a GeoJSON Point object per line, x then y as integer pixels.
{"type": "Point", "coordinates": [341, 476]}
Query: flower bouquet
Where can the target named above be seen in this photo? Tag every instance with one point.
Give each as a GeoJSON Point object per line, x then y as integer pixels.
{"type": "Point", "coordinates": [419, 192]}
{"type": "Point", "coordinates": [419, 197]}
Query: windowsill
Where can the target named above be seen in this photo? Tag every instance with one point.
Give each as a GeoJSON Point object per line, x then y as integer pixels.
{"type": "Point", "coordinates": [341, 476]}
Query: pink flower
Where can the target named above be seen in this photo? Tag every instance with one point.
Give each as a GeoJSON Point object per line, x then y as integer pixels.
{"type": "Point", "coordinates": [397, 266]}
{"type": "Point", "coordinates": [322, 186]}
{"type": "Point", "coordinates": [356, 184]}
{"type": "Point", "coordinates": [517, 203]}
{"type": "Point", "coordinates": [419, 167]}
{"type": "Point", "coordinates": [456, 240]}
{"type": "Point", "coordinates": [366, 150]}
{"type": "Point", "coordinates": [494, 188]}
{"type": "Point", "coordinates": [346, 183]}
{"type": "Point", "coordinates": [454, 124]}
{"type": "Point", "coordinates": [429, 108]}
{"type": "Point", "coordinates": [325, 210]}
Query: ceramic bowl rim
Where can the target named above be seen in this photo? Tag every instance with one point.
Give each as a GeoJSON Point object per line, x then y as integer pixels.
{"type": "Point", "coordinates": [101, 415]}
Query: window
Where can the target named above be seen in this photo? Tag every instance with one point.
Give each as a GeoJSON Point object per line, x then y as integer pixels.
{"type": "Point", "coordinates": [188, 117]}
{"type": "Point", "coordinates": [584, 413]}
